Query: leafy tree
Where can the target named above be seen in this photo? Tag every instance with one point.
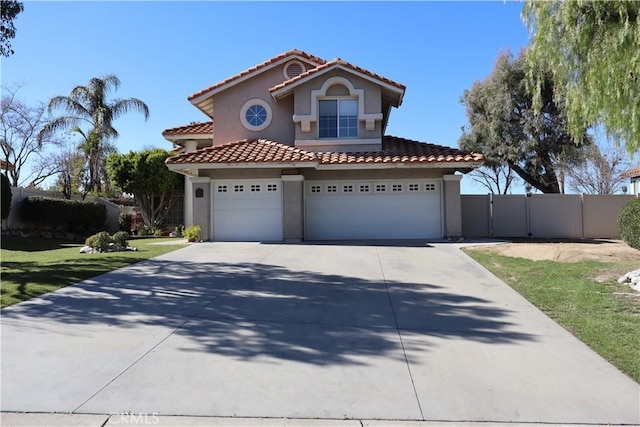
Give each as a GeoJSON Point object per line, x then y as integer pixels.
{"type": "Point", "coordinates": [504, 126]}
{"type": "Point", "coordinates": [9, 10]}
{"type": "Point", "coordinates": [592, 48]}
{"type": "Point", "coordinates": [145, 175]}
{"type": "Point", "coordinates": [89, 105]}
{"type": "Point", "coordinates": [6, 196]}
{"type": "Point", "coordinates": [24, 141]}
{"type": "Point", "coordinates": [602, 172]}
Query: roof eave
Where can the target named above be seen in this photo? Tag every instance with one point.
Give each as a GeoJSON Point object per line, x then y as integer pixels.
{"type": "Point", "coordinates": [278, 94]}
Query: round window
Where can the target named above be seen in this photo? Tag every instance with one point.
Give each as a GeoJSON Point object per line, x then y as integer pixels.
{"type": "Point", "coordinates": [255, 115]}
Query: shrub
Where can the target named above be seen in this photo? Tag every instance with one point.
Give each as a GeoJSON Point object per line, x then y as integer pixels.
{"type": "Point", "coordinates": [124, 221]}
{"type": "Point", "coordinates": [157, 232]}
{"type": "Point", "coordinates": [179, 229]}
{"type": "Point", "coordinates": [629, 223]}
{"type": "Point", "coordinates": [102, 240]}
{"type": "Point", "coordinates": [142, 229]}
{"type": "Point", "coordinates": [192, 233]}
{"type": "Point", "coordinates": [120, 239]}
{"type": "Point", "coordinates": [6, 196]}
{"type": "Point", "coordinates": [91, 240]}
{"type": "Point", "coordinates": [67, 215]}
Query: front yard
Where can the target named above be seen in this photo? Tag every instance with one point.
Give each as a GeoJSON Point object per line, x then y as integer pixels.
{"type": "Point", "coordinates": [32, 267]}
{"type": "Point", "coordinates": [582, 295]}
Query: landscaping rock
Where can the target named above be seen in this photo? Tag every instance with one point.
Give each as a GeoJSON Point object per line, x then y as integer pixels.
{"type": "Point", "coordinates": [87, 250]}
{"type": "Point", "coordinates": [632, 278]}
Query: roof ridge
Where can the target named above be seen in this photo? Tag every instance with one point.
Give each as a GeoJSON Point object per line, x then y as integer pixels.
{"type": "Point", "coordinates": [256, 67]}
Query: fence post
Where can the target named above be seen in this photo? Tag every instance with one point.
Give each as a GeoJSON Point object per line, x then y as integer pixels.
{"type": "Point", "coordinates": [528, 212]}
{"type": "Point", "coordinates": [490, 197]}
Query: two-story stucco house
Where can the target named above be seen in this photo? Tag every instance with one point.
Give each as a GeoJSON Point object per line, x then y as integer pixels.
{"type": "Point", "coordinates": [295, 149]}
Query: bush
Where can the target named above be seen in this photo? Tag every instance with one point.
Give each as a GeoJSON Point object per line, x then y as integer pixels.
{"type": "Point", "coordinates": [65, 215]}
{"type": "Point", "coordinates": [192, 233]}
{"type": "Point", "coordinates": [179, 229]}
{"type": "Point", "coordinates": [629, 223]}
{"type": "Point", "coordinates": [91, 240]}
{"type": "Point", "coordinates": [101, 242]}
{"type": "Point", "coordinates": [124, 221]}
{"type": "Point", "coordinates": [120, 239]}
{"type": "Point", "coordinates": [6, 196]}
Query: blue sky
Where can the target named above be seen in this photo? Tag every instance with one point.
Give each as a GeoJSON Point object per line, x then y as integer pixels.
{"type": "Point", "coordinates": [165, 51]}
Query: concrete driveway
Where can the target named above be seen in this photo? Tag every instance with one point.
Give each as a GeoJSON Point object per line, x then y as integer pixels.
{"type": "Point", "coordinates": [404, 332]}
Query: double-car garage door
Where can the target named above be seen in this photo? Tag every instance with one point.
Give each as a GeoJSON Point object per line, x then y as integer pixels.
{"type": "Point", "coordinates": [251, 210]}
{"type": "Point", "coordinates": [397, 209]}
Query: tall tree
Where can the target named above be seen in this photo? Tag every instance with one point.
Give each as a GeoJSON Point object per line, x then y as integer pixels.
{"type": "Point", "coordinates": [89, 106]}
{"type": "Point", "coordinates": [496, 178]}
{"type": "Point", "coordinates": [504, 126]}
{"type": "Point", "coordinates": [602, 172]}
{"type": "Point", "coordinates": [593, 50]}
{"type": "Point", "coordinates": [9, 10]}
{"type": "Point", "coordinates": [145, 175]}
{"type": "Point", "coordinates": [23, 140]}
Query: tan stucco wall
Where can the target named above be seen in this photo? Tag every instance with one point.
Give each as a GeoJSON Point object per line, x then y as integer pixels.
{"type": "Point", "coordinates": [202, 206]}
{"type": "Point", "coordinates": [372, 103]}
{"type": "Point", "coordinates": [452, 206]}
{"type": "Point", "coordinates": [293, 208]}
{"type": "Point", "coordinates": [227, 105]}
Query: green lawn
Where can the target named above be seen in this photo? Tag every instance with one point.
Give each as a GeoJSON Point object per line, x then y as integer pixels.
{"type": "Point", "coordinates": [603, 314]}
{"type": "Point", "coordinates": [32, 267]}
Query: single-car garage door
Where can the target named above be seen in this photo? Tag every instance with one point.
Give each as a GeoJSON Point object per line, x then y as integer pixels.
{"type": "Point", "coordinates": [395, 209]}
{"type": "Point", "coordinates": [247, 210]}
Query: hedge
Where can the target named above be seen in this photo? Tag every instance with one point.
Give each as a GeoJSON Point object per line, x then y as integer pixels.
{"type": "Point", "coordinates": [629, 223]}
{"type": "Point", "coordinates": [66, 215]}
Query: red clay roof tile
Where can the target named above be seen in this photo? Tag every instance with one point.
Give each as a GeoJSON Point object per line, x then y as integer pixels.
{"type": "Point", "coordinates": [395, 150]}
{"type": "Point", "coordinates": [202, 128]}
{"type": "Point", "coordinates": [256, 68]}
{"type": "Point", "coordinates": [332, 63]}
{"type": "Point", "coordinates": [633, 173]}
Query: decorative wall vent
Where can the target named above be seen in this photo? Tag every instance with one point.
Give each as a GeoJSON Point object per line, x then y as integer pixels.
{"type": "Point", "coordinates": [293, 69]}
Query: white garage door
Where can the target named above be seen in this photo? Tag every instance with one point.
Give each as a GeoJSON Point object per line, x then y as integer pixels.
{"type": "Point", "coordinates": [398, 209]}
{"type": "Point", "coordinates": [247, 210]}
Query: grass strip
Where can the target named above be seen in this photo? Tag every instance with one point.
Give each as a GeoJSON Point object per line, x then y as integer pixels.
{"type": "Point", "coordinates": [32, 267]}
{"type": "Point", "coordinates": [603, 314]}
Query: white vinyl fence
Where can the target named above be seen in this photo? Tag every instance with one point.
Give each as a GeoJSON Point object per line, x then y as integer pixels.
{"type": "Point", "coordinates": [569, 216]}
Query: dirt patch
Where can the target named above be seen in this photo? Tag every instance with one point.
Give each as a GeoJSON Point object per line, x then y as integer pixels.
{"type": "Point", "coordinates": [569, 251]}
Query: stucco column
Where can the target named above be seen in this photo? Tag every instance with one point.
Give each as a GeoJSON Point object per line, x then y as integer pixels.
{"type": "Point", "coordinates": [201, 205]}
{"type": "Point", "coordinates": [292, 208]}
{"type": "Point", "coordinates": [452, 206]}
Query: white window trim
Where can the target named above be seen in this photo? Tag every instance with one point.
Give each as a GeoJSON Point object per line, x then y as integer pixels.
{"type": "Point", "coordinates": [288, 64]}
{"type": "Point", "coordinates": [305, 120]}
{"type": "Point", "coordinates": [243, 114]}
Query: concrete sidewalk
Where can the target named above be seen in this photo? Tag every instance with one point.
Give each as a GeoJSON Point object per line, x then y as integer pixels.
{"type": "Point", "coordinates": [331, 332]}
{"type": "Point", "coordinates": [85, 420]}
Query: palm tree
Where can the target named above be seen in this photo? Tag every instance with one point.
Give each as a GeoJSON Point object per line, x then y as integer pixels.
{"type": "Point", "coordinates": [89, 105]}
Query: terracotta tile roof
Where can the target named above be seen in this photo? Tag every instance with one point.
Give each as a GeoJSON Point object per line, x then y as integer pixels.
{"type": "Point", "coordinates": [400, 150]}
{"type": "Point", "coordinates": [395, 150]}
{"type": "Point", "coordinates": [245, 151]}
{"type": "Point", "coordinates": [202, 128]}
{"type": "Point", "coordinates": [256, 68]}
{"type": "Point", "coordinates": [633, 173]}
{"type": "Point", "coordinates": [332, 63]}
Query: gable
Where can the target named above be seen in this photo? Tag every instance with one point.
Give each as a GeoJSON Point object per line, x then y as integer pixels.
{"type": "Point", "coordinates": [203, 99]}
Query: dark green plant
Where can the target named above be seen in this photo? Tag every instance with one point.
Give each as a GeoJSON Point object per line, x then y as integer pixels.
{"type": "Point", "coordinates": [629, 223]}
{"type": "Point", "coordinates": [65, 215]}
{"type": "Point", "coordinates": [179, 229]}
{"type": "Point", "coordinates": [102, 241]}
{"type": "Point", "coordinates": [124, 221]}
{"type": "Point", "coordinates": [6, 196]}
{"type": "Point", "coordinates": [91, 240]}
{"type": "Point", "coordinates": [120, 239]}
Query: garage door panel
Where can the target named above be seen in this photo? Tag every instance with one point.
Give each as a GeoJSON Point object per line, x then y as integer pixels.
{"type": "Point", "coordinates": [336, 215]}
{"type": "Point", "coordinates": [247, 211]}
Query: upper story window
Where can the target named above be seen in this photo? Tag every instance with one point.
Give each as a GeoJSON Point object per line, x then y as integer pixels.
{"type": "Point", "coordinates": [255, 115]}
{"type": "Point", "coordinates": [338, 118]}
